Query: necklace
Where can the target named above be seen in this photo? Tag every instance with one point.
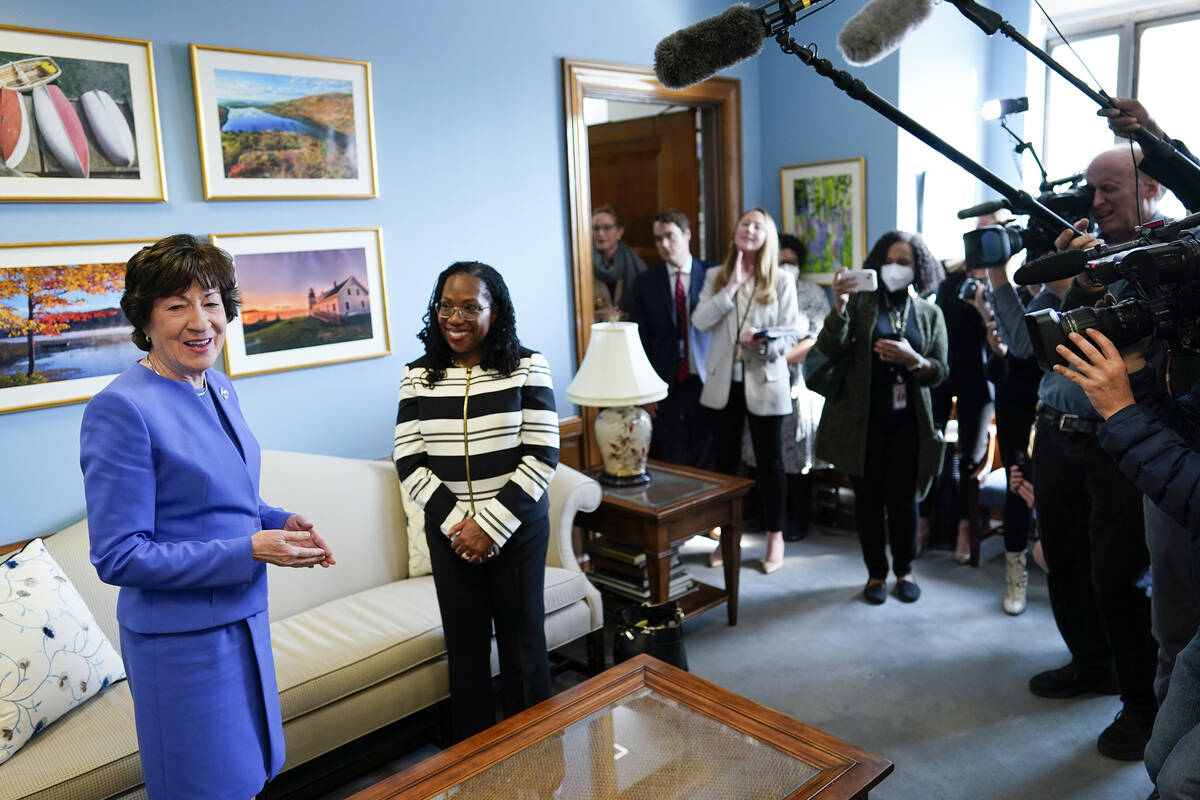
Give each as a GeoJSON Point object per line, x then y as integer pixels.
{"type": "Point", "coordinates": [200, 393]}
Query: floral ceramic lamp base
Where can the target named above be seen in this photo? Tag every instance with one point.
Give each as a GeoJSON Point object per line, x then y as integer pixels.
{"type": "Point", "coordinates": [623, 435]}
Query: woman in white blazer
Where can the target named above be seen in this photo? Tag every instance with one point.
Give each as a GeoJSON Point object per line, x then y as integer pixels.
{"type": "Point", "coordinates": [747, 376]}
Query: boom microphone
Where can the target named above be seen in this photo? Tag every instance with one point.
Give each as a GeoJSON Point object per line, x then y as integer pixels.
{"type": "Point", "coordinates": [990, 207]}
{"type": "Point", "coordinates": [1052, 267]}
{"type": "Point", "coordinates": [702, 50]}
{"type": "Point", "coordinates": [875, 31]}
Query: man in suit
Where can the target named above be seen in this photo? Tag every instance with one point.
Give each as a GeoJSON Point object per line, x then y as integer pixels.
{"type": "Point", "coordinates": [661, 303]}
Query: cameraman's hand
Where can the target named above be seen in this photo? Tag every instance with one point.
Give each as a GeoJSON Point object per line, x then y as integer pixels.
{"type": "Point", "coordinates": [1128, 117]}
{"type": "Point", "coordinates": [979, 302]}
{"type": "Point", "coordinates": [1076, 238]}
{"type": "Point", "coordinates": [994, 339]}
{"type": "Point", "coordinates": [1019, 486]}
{"type": "Point", "coordinates": [1102, 376]}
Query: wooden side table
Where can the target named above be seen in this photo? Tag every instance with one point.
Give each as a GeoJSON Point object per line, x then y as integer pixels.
{"type": "Point", "coordinates": [678, 503]}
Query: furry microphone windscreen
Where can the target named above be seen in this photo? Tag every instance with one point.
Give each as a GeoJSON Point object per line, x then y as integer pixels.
{"type": "Point", "coordinates": [700, 51]}
{"type": "Point", "coordinates": [875, 31]}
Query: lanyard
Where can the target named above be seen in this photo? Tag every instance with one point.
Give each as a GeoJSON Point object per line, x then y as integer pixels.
{"type": "Point", "coordinates": [899, 319]}
{"type": "Point", "coordinates": [741, 316]}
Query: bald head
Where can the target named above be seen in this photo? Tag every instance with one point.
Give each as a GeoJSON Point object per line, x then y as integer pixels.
{"type": "Point", "coordinates": [1118, 195]}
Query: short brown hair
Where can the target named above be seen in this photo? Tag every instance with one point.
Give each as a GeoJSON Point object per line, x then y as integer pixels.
{"type": "Point", "coordinates": [673, 216]}
{"type": "Point", "coordinates": [169, 267]}
{"type": "Point", "coordinates": [611, 211]}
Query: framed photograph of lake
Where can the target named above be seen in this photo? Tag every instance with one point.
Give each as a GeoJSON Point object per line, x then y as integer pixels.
{"type": "Point", "coordinates": [824, 204]}
{"type": "Point", "coordinates": [62, 334]}
{"type": "Point", "coordinates": [283, 126]}
{"type": "Point", "coordinates": [78, 118]}
{"type": "Point", "coordinates": [309, 298]}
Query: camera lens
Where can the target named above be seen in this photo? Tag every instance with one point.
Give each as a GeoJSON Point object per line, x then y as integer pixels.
{"type": "Point", "coordinates": [1124, 324]}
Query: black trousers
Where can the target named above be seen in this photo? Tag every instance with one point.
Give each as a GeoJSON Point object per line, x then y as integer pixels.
{"type": "Point", "coordinates": [766, 436]}
{"type": "Point", "coordinates": [1095, 546]}
{"type": "Point", "coordinates": [506, 591]}
{"type": "Point", "coordinates": [1013, 426]}
{"type": "Point", "coordinates": [682, 432]}
{"type": "Point", "coordinates": [888, 483]}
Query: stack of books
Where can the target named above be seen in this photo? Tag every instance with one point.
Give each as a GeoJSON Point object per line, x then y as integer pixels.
{"type": "Point", "coordinates": [620, 568]}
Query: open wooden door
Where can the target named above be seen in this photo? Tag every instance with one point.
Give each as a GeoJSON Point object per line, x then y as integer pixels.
{"type": "Point", "coordinates": [644, 166]}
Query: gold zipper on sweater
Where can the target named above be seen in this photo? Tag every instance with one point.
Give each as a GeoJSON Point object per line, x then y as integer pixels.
{"type": "Point", "coordinates": [466, 443]}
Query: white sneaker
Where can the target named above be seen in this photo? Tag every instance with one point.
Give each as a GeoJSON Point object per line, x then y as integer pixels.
{"type": "Point", "coordinates": [1016, 580]}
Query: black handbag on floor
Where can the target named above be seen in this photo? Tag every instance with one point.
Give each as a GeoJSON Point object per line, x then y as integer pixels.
{"type": "Point", "coordinates": [655, 630]}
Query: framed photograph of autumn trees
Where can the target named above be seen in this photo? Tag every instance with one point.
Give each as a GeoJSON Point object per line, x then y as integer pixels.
{"type": "Point", "coordinates": [309, 298]}
{"type": "Point", "coordinates": [272, 125]}
{"type": "Point", "coordinates": [62, 334]}
{"type": "Point", "coordinates": [824, 204]}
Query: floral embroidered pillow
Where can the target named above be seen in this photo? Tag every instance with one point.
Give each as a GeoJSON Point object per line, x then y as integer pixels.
{"type": "Point", "coordinates": [53, 655]}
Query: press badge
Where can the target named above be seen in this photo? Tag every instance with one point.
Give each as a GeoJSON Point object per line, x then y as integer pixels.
{"type": "Point", "coordinates": [899, 396]}
{"type": "Point", "coordinates": [737, 371]}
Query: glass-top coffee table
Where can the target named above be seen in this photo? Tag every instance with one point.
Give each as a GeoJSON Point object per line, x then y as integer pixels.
{"type": "Point", "coordinates": [643, 729]}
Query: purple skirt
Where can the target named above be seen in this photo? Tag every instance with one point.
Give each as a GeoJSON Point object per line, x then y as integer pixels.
{"type": "Point", "coordinates": [206, 707]}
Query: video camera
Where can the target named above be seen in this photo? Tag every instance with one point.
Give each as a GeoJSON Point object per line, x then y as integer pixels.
{"type": "Point", "coordinates": [993, 245]}
{"type": "Point", "coordinates": [1163, 266]}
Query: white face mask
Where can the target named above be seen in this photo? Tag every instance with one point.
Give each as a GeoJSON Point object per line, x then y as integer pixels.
{"type": "Point", "coordinates": [895, 276]}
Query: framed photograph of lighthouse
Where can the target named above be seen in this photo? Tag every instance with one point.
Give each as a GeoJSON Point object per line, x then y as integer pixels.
{"type": "Point", "coordinates": [273, 125]}
{"type": "Point", "coordinates": [309, 298]}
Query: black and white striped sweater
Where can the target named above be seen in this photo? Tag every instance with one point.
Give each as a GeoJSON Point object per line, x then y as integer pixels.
{"type": "Point", "coordinates": [478, 444]}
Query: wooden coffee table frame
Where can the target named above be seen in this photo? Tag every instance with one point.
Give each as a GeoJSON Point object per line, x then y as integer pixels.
{"type": "Point", "coordinates": [659, 530]}
{"type": "Point", "coordinates": [846, 772]}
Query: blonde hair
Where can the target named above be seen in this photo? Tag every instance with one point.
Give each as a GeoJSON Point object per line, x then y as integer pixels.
{"type": "Point", "coordinates": [767, 266]}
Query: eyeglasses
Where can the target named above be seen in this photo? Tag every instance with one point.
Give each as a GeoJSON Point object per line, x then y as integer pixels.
{"type": "Point", "coordinates": [467, 311]}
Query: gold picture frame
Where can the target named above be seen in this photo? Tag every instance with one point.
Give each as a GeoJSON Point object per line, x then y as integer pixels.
{"type": "Point", "coordinates": [62, 334]}
{"type": "Point", "coordinates": [279, 126]}
{"type": "Point", "coordinates": [80, 118]}
{"type": "Point", "coordinates": [309, 299]}
{"type": "Point", "coordinates": [825, 205]}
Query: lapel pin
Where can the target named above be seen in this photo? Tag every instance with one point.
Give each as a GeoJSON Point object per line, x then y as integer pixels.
{"type": "Point", "coordinates": [224, 393]}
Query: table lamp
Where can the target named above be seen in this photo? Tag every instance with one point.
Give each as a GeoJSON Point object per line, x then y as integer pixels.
{"type": "Point", "coordinates": [616, 377]}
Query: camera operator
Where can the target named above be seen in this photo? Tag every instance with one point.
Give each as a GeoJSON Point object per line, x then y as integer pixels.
{"type": "Point", "coordinates": [1155, 442]}
{"type": "Point", "coordinates": [1090, 517]}
{"type": "Point", "coordinates": [1130, 116]}
{"type": "Point", "coordinates": [1175, 613]}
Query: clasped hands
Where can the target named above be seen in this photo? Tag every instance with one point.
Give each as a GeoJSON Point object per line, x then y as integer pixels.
{"type": "Point", "coordinates": [471, 544]}
{"type": "Point", "coordinates": [297, 544]}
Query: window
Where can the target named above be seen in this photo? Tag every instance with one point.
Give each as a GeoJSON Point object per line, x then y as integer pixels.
{"type": "Point", "coordinates": [1147, 58]}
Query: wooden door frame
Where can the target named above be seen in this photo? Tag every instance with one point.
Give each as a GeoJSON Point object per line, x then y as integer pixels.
{"type": "Point", "coordinates": [582, 78]}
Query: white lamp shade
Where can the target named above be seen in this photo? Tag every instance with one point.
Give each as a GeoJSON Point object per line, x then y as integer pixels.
{"type": "Point", "coordinates": [615, 371]}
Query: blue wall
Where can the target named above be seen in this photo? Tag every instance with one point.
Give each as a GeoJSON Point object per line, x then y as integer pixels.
{"type": "Point", "coordinates": [471, 160]}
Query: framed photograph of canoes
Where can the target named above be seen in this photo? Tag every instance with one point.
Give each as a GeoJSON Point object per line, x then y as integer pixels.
{"type": "Point", "coordinates": [78, 118]}
{"type": "Point", "coordinates": [274, 126]}
{"type": "Point", "coordinates": [824, 204]}
{"type": "Point", "coordinates": [309, 298]}
{"type": "Point", "coordinates": [63, 336]}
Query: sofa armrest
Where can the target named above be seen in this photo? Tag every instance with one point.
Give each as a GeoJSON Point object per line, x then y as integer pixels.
{"type": "Point", "coordinates": [570, 492]}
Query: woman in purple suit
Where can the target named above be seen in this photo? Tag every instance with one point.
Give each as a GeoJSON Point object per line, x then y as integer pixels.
{"type": "Point", "coordinates": [171, 473]}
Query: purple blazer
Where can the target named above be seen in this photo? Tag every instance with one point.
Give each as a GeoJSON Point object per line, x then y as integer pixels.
{"type": "Point", "coordinates": [172, 504]}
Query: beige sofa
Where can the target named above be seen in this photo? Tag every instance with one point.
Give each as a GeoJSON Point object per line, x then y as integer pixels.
{"type": "Point", "coordinates": [357, 646]}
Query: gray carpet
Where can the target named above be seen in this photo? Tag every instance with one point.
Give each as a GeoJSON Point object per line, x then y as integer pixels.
{"type": "Point", "coordinates": [938, 687]}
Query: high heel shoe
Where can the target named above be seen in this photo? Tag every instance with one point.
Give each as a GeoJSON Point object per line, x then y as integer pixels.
{"type": "Point", "coordinates": [775, 548]}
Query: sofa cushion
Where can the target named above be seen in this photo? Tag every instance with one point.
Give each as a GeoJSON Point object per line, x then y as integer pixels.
{"type": "Point", "coordinates": [92, 752]}
{"type": "Point", "coordinates": [53, 655]}
{"type": "Point", "coordinates": [564, 587]}
{"type": "Point", "coordinates": [346, 645]}
{"type": "Point", "coordinates": [418, 549]}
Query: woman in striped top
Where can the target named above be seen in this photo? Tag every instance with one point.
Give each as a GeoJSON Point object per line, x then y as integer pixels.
{"type": "Point", "coordinates": [476, 446]}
